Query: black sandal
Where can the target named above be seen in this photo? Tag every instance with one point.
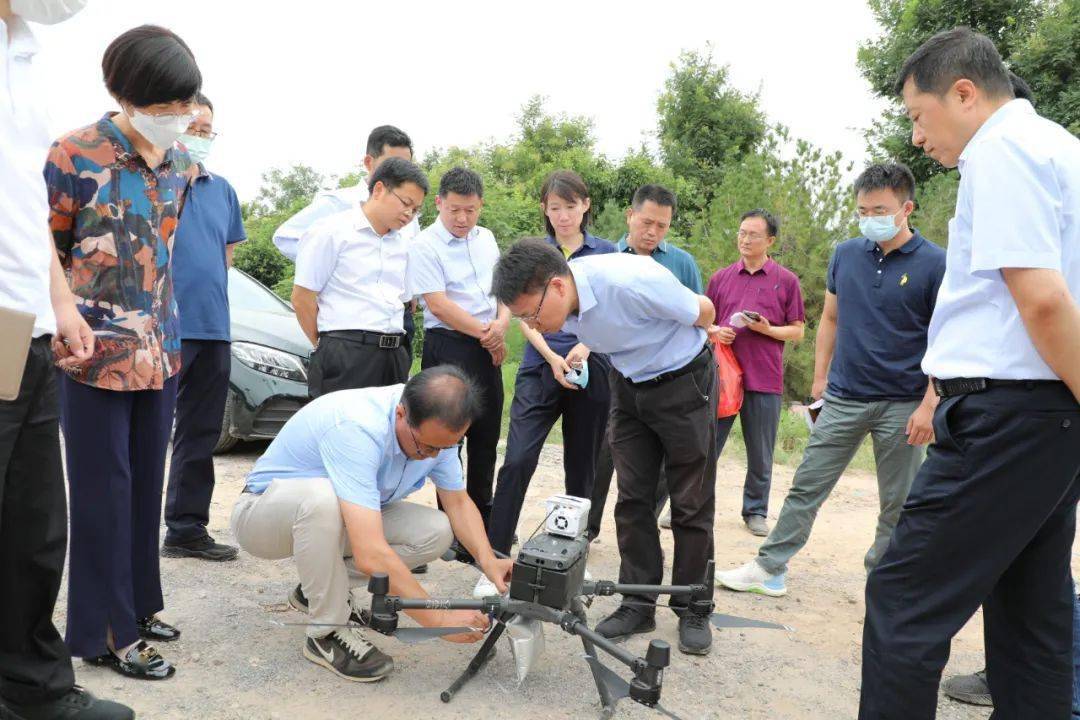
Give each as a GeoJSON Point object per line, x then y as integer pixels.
{"type": "Point", "coordinates": [152, 628]}
{"type": "Point", "coordinates": [141, 662]}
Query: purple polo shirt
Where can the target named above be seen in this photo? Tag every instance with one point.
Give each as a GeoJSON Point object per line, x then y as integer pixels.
{"type": "Point", "coordinates": [774, 292]}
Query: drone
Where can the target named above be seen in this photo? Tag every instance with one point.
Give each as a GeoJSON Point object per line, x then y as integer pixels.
{"type": "Point", "coordinates": [548, 585]}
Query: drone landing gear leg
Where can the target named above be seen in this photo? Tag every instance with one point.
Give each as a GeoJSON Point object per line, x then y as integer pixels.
{"type": "Point", "coordinates": [606, 701]}
{"type": "Point", "coordinates": [478, 661]}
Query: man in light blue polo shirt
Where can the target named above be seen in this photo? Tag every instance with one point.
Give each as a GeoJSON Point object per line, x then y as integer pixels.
{"type": "Point", "coordinates": [663, 387]}
{"type": "Point", "coordinates": [335, 479]}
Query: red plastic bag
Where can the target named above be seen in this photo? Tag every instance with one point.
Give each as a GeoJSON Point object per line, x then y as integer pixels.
{"type": "Point", "coordinates": [729, 386]}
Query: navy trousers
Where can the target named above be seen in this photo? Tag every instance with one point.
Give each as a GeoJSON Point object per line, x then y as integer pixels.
{"type": "Point", "coordinates": [200, 406]}
{"type": "Point", "coordinates": [990, 520]}
{"type": "Point", "coordinates": [760, 415]}
{"type": "Point", "coordinates": [538, 402]}
{"type": "Point", "coordinates": [115, 444]}
{"type": "Point", "coordinates": [34, 662]}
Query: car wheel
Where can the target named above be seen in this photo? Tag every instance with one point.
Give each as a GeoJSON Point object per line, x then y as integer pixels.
{"type": "Point", "coordinates": [226, 441]}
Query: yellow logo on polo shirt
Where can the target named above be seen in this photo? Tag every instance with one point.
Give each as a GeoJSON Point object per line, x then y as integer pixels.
{"type": "Point", "coordinates": [903, 280]}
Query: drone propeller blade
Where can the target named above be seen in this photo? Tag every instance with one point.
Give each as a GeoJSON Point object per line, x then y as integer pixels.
{"type": "Point", "coordinates": [413, 635]}
{"type": "Point", "coordinates": [722, 621]}
{"type": "Point", "coordinates": [616, 686]}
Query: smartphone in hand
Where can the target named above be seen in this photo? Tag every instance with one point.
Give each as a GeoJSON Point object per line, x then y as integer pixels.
{"type": "Point", "coordinates": [753, 316]}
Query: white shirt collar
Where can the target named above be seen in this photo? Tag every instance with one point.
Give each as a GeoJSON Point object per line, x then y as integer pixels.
{"type": "Point", "coordinates": [1010, 109]}
{"type": "Point", "coordinates": [362, 223]}
{"type": "Point", "coordinates": [448, 237]}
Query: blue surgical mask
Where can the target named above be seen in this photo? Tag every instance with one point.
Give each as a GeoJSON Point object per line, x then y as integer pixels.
{"type": "Point", "coordinates": [879, 229]}
{"type": "Point", "coordinates": [579, 377]}
{"type": "Point", "coordinates": [198, 147]}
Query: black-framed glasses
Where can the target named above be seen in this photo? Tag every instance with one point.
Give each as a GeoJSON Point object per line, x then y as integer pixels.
{"type": "Point", "coordinates": [204, 134]}
{"type": "Point", "coordinates": [533, 317]}
{"type": "Point", "coordinates": [407, 204]}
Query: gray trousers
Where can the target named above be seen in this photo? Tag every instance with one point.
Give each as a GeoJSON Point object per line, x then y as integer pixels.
{"type": "Point", "coordinates": [301, 519]}
{"type": "Point", "coordinates": [760, 416]}
{"type": "Point", "coordinates": [839, 431]}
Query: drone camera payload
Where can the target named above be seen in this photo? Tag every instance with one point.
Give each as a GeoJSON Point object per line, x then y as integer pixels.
{"type": "Point", "coordinates": [550, 566]}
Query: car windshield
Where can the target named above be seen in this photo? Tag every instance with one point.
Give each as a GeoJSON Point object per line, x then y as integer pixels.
{"type": "Point", "coordinates": [246, 293]}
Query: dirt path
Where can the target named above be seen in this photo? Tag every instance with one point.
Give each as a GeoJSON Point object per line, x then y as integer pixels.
{"type": "Point", "coordinates": [234, 662]}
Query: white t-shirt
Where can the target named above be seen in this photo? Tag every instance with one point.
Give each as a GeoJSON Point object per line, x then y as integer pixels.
{"type": "Point", "coordinates": [358, 274]}
{"type": "Point", "coordinates": [1018, 206]}
{"type": "Point", "coordinates": [25, 240]}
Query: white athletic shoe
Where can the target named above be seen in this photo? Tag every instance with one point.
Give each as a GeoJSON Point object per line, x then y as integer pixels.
{"type": "Point", "coordinates": [751, 577]}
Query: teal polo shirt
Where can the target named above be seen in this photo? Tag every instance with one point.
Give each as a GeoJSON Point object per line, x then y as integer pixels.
{"type": "Point", "coordinates": [681, 263]}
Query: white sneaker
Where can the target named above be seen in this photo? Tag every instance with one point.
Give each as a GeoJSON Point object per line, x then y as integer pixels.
{"type": "Point", "coordinates": [751, 577]}
{"type": "Point", "coordinates": [484, 588]}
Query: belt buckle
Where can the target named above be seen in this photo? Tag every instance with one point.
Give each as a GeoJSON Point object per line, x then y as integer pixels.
{"type": "Point", "coordinates": [389, 342]}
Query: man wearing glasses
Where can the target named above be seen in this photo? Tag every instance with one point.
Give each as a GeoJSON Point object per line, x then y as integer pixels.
{"type": "Point", "coordinates": [332, 486]}
{"type": "Point", "coordinates": [202, 254]}
{"type": "Point", "coordinates": [663, 394]}
{"type": "Point", "coordinates": [880, 292]}
{"type": "Point", "coordinates": [350, 285]}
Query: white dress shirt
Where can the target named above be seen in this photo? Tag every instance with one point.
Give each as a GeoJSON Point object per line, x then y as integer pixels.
{"type": "Point", "coordinates": [329, 202]}
{"type": "Point", "coordinates": [358, 274]}
{"type": "Point", "coordinates": [25, 240]}
{"type": "Point", "coordinates": [1018, 206]}
{"type": "Point", "coordinates": [459, 267]}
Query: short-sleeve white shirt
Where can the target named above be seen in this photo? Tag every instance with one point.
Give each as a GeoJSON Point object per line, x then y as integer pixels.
{"type": "Point", "coordinates": [1017, 206]}
{"type": "Point", "coordinates": [460, 267]}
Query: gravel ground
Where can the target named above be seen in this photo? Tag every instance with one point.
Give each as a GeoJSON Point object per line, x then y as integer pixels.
{"type": "Point", "coordinates": [235, 661]}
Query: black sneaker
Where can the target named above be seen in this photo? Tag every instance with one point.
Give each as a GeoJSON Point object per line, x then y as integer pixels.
{"type": "Point", "coordinates": [300, 603]}
{"type": "Point", "coordinates": [972, 689]}
{"type": "Point", "coordinates": [77, 704]}
{"type": "Point", "coordinates": [202, 549]}
{"type": "Point", "coordinates": [153, 628]}
{"type": "Point", "coordinates": [420, 569]}
{"type": "Point", "coordinates": [141, 662]}
{"type": "Point", "coordinates": [347, 654]}
{"type": "Point", "coordinates": [695, 634]}
{"type": "Point", "coordinates": [626, 621]}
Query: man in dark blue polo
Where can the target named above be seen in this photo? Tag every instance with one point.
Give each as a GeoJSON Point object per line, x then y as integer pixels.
{"type": "Point", "coordinates": [880, 294]}
{"type": "Point", "coordinates": [209, 229]}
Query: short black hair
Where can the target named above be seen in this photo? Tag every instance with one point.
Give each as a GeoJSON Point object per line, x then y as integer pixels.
{"type": "Point", "coordinates": [394, 172]}
{"type": "Point", "coordinates": [1021, 90]}
{"type": "Point", "coordinates": [887, 176]}
{"type": "Point", "coordinates": [444, 393]}
{"type": "Point", "coordinates": [461, 181]}
{"type": "Point", "coordinates": [569, 186]}
{"type": "Point", "coordinates": [951, 55]}
{"type": "Point", "coordinates": [526, 268]}
{"type": "Point", "coordinates": [772, 225]}
{"type": "Point", "coordinates": [654, 193]}
{"type": "Point", "coordinates": [387, 136]}
{"type": "Point", "coordinates": [201, 99]}
{"type": "Point", "coordinates": [148, 65]}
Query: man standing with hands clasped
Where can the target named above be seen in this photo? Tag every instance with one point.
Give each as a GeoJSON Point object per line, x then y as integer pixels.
{"type": "Point", "coordinates": [991, 517]}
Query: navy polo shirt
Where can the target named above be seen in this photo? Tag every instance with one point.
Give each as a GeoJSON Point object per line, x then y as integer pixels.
{"type": "Point", "coordinates": [210, 221]}
{"type": "Point", "coordinates": [884, 304]}
{"type": "Point", "coordinates": [560, 341]}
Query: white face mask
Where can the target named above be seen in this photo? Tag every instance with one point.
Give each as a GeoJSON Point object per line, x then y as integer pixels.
{"type": "Point", "coordinates": [161, 131]}
{"type": "Point", "coordinates": [46, 12]}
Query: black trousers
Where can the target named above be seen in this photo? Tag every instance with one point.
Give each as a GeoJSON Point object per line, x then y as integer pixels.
{"type": "Point", "coordinates": [343, 362]}
{"type": "Point", "coordinates": [990, 520]}
{"type": "Point", "coordinates": [34, 662]}
{"type": "Point", "coordinates": [446, 347]}
{"type": "Point", "coordinates": [653, 423]}
{"type": "Point", "coordinates": [115, 443]}
{"type": "Point", "coordinates": [200, 406]}
{"type": "Point", "coordinates": [539, 400]}
{"type": "Point", "coordinates": [605, 468]}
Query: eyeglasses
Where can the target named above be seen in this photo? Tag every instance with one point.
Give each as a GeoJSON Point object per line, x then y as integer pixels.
{"type": "Point", "coordinates": [204, 134]}
{"type": "Point", "coordinates": [407, 204]}
{"type": "Point", "coordinates": [751, 236]}
{"type": "Point", "coordinates": [532, 318]}
{"type": "Point", "coordinates": [423, 449]}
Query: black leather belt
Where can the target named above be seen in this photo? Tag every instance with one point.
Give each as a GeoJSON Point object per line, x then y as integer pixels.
{"type": "Point", "coordinates": [366, 337]}
{"type": "Point", "coordinates": [699, 359]}
{"type": "Point", "coordinates": [970, 386]}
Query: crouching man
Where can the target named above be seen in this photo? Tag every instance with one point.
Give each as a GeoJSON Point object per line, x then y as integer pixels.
{"type": "Point", "coordinates": [332, 487]}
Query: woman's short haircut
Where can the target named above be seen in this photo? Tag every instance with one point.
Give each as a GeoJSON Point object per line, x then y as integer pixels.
{"type": "Point", "coordinates": [149, 65]}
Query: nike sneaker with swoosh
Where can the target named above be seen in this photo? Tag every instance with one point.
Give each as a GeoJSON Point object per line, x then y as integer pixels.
{"type": "Point", "coordinates": [346, 653]}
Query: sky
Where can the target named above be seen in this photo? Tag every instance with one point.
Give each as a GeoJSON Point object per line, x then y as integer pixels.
{"type": "Point", "coordinates": [305, 82]}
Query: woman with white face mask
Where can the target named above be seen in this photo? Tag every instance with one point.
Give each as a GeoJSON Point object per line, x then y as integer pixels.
{"type": "Point", "coordinates": [116, 189]}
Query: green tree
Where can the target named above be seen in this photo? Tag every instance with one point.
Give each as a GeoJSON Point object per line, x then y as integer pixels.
{"type": "Point", "coordinates": [1049, 60]}
{"type": "Point", "coordinates": [704, 125]}
{"type": "Point", "coordinates": [285, 189]}
{"type": "Point", "coordinates": [906, 25]}
{"type": "Point", "coordinates": [804, 188]}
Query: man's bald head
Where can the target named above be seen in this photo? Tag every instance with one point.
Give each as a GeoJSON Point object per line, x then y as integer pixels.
{"type": "Point", "coordinates": [443, 393]}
